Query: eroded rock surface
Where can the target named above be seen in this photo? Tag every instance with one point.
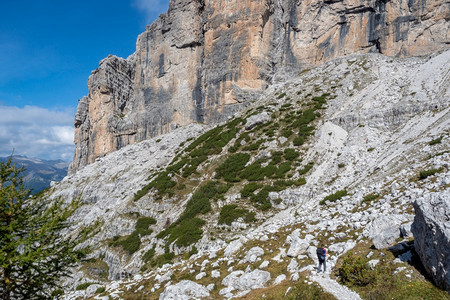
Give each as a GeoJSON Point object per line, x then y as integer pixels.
{"type": "Point", "coordinates": [431, 229]}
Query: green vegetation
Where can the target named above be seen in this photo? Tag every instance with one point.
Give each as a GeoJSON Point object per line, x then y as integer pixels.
{"type": "Point", "coordinates": [100, 290]}
{"type": "Point", "coordinates": [142, 225]}
{"type": "Point", "coordinates": [248, 189]}
{"type": "Point", "coordinates": [84, 286]}
{"type": "Point", "coordinates": [370, 197]}
{"type": "Point", "coordinates": [148, 255]}
{"type": "Point", "coordinates": [290, 154]}
{"type": "Point", "coordinates": [382, 282]}
{"type": "Point", "coordinates": [132, 242]}
{"type": "Point", "coordinates": [281, 95]}
{"type": "Point", "coordinates": [34, 256]}
{"type": "Point", "coordinates": [187, 229]}
{"type": "Point", "coordinates": [231, 167]}
{"type": "Point", "coordinates": [427, 173]}
{"type": "Point", "coordinates": [341, 165]}
{"type": "Point", "coordinates": [306, 168]}
{"type": "Point", "coordinates": [230, 213]}
{"type": "Point", "coordinates": [355, 270]}
{"type": "Point", "coordinates": [334, 197]}
{"type": "Point", "coordinates": [435, 141]}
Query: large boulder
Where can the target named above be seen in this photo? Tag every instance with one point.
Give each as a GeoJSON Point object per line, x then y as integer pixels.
{"type": "Point", "coordinates": [184, 290]}
{"type": "Point", "coordinates": [431, 229]}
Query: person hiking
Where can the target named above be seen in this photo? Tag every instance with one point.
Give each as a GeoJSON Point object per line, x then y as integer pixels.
{"type": "Point", "coordinates": [322, 253]}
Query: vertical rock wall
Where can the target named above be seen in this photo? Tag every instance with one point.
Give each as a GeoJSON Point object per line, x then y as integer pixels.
{"type": "Point", "coordinates": [205, 59]}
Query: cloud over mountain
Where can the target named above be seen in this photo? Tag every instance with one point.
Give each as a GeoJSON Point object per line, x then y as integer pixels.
{"type": "Point", "coordinates": [36, 132]}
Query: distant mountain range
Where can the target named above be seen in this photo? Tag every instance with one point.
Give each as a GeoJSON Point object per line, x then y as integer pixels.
{"type": "Point", "coordinates": [38, 172]}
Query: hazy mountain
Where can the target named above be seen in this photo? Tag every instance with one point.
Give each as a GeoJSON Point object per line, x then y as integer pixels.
{"type": "Point", "coordinates": [39, 172]}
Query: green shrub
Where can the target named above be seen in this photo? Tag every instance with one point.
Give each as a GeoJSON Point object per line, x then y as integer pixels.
{"type": "Point", "coordinates": [253, 172]}
{"type": "Point", "coordinates": [298, 141]}
{"type": "Point", "coordinates": [148, 255]}
{"type": "Point", "coordinates": [100, 290]}
{"type": "Point", "coordinates": [282, 170]}
{"type": "Point", "coordinates": [163, 183]}
{"type": "Point", "coordinates": [57, 293]}
{"type": "Point", "coordinates": [355, 270]}
{"type": "Point", "coordinates": [287, 132]}
{"type": "Point", "coordinates": [84, 286]}
{"type": "Point", "coordinates": [261, 199]}
{"type": "Point", "coordinates": [435, 141]}
{"type": "Point", "coordinates": [334, 197]}
{"type": "Point", "coordinates": [277, 157]}
{"type": "Point", "coordinates": [426, 173]}
{"type": "Point", "coordinates": [232, 166]}
{"type": "Point", "coordinates": [290, 154]}
{"type": "Point", "coordinates": [249, 188]}
{"type": "Point", "coordinates": [300, 181]}
{"type": "Point", "coordinates": [254, 146]}
{"type": "Point", "coordinates": [142, 225]}
{"type": "Point", "coordinates": [306, 168]}
{"type": "Point", "coordinates": [187, 232]}
{"type": "Point", "coordinates": [162, 259]}
{"type": "Point", "coordinates": [341, 165]}
{"type": "Point", "coordinates": [193, 251]}
{"type": "Point", "coordinates": [229, 213]}
{"type": "Point", "coordinates": [131, 243]}
{"type": "Point", "coordinates": [370, 149]}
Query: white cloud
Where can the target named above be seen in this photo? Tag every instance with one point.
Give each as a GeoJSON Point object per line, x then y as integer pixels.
{"type": "Point", "coordinates": [151, 8]}
{"type": "Point", "coordinates": [36, 132]}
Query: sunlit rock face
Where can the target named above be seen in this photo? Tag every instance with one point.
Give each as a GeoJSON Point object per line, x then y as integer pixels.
{"type": "Point", "coordinates": [204, 60]}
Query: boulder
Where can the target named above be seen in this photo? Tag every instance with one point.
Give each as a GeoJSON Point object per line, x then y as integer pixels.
{"type": "Point", "coordinates": [253, 254]}
{"type": "Point", "coordinates": [184, 290]}
{"type": "Point", "coordinates": [431, 230]}
{"type": "Point", "coordinates": [258, 119]}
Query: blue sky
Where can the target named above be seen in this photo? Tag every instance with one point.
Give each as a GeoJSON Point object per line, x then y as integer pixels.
{"type": "Point", "coordinates": [48, 49]}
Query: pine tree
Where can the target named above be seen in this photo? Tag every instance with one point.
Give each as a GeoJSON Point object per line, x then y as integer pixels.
{"type": "Point", "coordinates": [34, 255]}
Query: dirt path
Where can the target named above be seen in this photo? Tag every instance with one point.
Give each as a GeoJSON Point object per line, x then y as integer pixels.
{"type": "Point", "coordinates": [331, 286]}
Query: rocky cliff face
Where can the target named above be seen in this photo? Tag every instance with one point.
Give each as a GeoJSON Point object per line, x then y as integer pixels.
{"type": "Point", "coordinates": [204, 60]}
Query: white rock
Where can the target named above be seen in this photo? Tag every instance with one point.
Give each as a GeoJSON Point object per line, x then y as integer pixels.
{"type": "Point", "coordinates": [184, 290]}
{"type": "Point", "coordinates": [279, 279]}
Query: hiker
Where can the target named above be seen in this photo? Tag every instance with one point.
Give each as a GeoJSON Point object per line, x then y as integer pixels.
{"type": "Point", "coordinates": [322, 253]}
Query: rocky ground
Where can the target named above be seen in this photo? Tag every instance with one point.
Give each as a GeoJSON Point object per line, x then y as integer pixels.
{"type": "Point", "coordinates": [379, 144]}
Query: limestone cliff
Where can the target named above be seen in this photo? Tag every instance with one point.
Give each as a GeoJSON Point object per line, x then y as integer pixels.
{"type": "Point", "coordinates": [204, 60]}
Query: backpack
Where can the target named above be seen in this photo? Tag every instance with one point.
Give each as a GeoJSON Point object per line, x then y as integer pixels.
{"type": "Point", "coordinates": [320, 254]}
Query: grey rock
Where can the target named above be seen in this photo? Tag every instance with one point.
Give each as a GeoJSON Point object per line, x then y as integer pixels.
{"type": "Point", "coordinates": [258, 119]}
{"type": "Point", "coordinates": [253, 254]}
{"type": "Point", "coordinates": [431, 229]}
{"type": "Point", "coordinates": [184, 290]}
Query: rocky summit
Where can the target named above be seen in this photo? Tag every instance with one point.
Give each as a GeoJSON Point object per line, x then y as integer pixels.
{"type": "Point", "coordinates": [205, 60]}
{"type": "Point", "coordinates": [353, 153]}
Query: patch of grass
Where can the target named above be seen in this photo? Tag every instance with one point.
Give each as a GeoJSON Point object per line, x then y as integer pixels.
{"type": "Point", "coordinates": [370, 197]}
{"type": "Point", "coordinates": [334, 197]}
{"type": "Point", "coordinates": [435, 141]}
{"type": "Point", "coordinates": [341, 165]}
{"type": "Point", "coordinates": [230, 213]}
{"type": "Point", "coordinates": [370, 149]}
{"type": "Point", "coordinates": [100, 290]}
{"type": "Point", "coordinates": [254, 146]}
{"type": "Point", "coordinates": [130, 243]}
{"type": "Point", "coordinates": [427, 173]}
